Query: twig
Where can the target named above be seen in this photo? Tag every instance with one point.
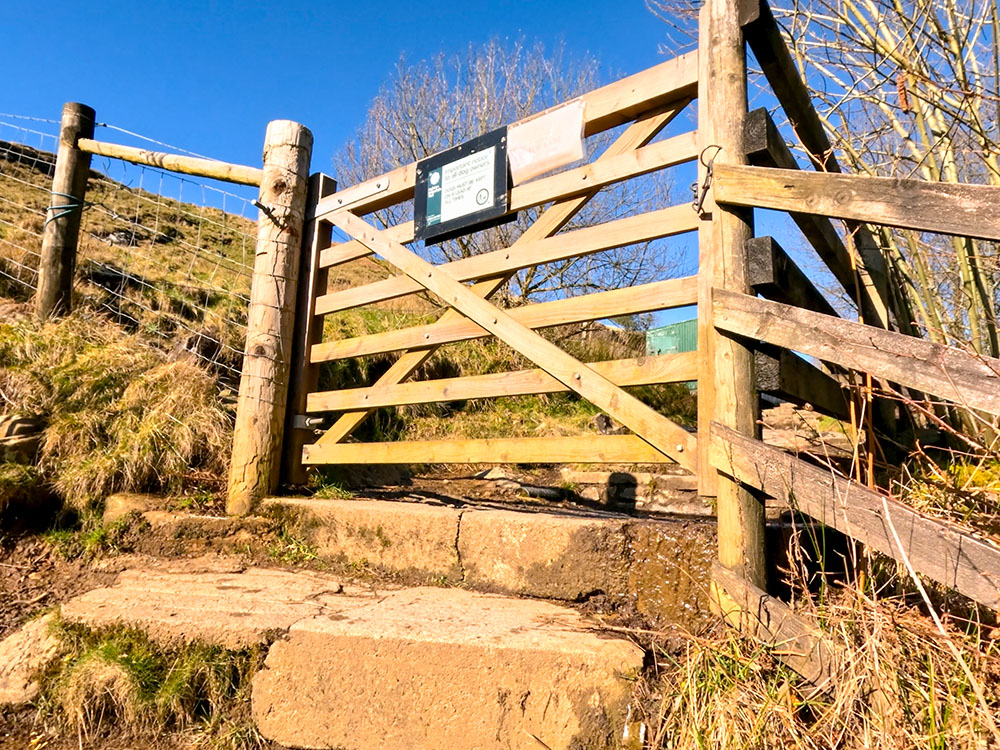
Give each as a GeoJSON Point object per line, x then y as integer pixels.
{"type": "Point", "coordinates": [976, 687]}
{"type": "Point", "coordinates": [34, 600]}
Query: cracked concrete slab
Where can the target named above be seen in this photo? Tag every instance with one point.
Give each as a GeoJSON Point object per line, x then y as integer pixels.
{"type": "Point", "coordinates": [231, 609]}
{"type": "Point", "coordinates": [558, 557]}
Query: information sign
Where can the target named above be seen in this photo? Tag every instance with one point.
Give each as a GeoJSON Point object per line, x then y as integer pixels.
{"type": "Point", "coordinates": [463, 189]}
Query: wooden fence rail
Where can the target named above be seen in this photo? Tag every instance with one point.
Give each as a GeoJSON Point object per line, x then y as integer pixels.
{"type": "Point", "coordinates": [946, 554]}
{"type": "Point", "coordinates": [941, 207]}
{"type": "Point", "coordinates": [969, 380]}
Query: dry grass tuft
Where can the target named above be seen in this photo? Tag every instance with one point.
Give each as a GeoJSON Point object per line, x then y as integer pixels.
{"type": "Point", "coordinates": [119, 679]}
{"type": "Point", "coordinates": [121, 416]}
{"type": "Point", "coordinates": [898, 685]}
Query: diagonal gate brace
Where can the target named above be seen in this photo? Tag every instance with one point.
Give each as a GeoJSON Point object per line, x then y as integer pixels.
{"type": "Point", "coordinates": [660, 432]}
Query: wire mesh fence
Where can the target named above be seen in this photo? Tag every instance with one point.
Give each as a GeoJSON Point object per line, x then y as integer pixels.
{"type": "Point", "coordinates": [160, 254]}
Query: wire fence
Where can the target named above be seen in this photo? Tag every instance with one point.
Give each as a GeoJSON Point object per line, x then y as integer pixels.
{"type": "Point", "coordinates": [160, 254]}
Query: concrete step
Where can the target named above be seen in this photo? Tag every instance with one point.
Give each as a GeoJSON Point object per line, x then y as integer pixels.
{"type": "Point", "coordinates": [660, 568]}
{"type": "Point", "coordinates": [404, 668]}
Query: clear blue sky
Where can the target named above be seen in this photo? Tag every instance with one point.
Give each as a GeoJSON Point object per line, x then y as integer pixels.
{"type": "Point", "coordinates": [208, 75]}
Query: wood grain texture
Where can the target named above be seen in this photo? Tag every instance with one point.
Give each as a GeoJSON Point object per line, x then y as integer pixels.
{"type": "Point", "coordinates": [648, 226]}
{"type": "Point", "coordinates": [665, 435]}
{"type": "Point", "coordinates": [260, 409]}
{"type": "Point", "coordinates": [864, 278]}
{"type": "Point", "coordinates": [629, 301]}
{"type": "Point", "coordinates": [784, 375]}
{"type": "Point", "coordinates": [304, 377]}
{"type": "Point", "coordinates": [664, 368]}
{"type": "Point", "coordinates": [943, 207]}
{"type": "Point", "coordinates": [774, 275]}
{"type": "Point", "coordinates": [578, 449]}
{"type": "Point", "coordinates": [674, 80]}
{"type": "Point", "coordinates": [61, 234]}
{"type": "Point", "coordinates": [728, 363]}
{"type": "Point", "coordinates": [935, 549]}
{"type": "Point", "coordinates": [603, 172]}
{"type": "Point", "coordinates": [215, 170]}
{"type": "Point", "coordinates": [549, 222]}
{"type": "Point", "coordinates": [972, 381]}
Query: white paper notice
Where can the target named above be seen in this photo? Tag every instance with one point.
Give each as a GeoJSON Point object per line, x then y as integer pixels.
{"type": "Point", "coordinates": [467, 185]}
{"type": "Point", "coordinates": [552, 139]}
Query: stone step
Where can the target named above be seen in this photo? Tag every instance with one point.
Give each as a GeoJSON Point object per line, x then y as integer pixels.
{"type": "Point", "coordinates": [402, 668]}
{"type": "Point", "coordinates": [446, 668]}
{"type": "Point", "coordinates": [659, 568]}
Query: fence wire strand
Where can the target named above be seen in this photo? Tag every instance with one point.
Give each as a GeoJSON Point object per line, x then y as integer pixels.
{"type": "Point", "coordinates": [159, 253]}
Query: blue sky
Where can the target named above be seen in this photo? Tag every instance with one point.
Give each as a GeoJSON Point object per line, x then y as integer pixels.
{"type": "Point", "coordinates": [207, 76]}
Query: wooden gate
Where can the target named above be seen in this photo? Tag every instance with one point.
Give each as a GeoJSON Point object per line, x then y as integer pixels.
{"type": "Point", "coordinates": [648, 101]}
{"type": "Point", "coordinates": [755, 308]}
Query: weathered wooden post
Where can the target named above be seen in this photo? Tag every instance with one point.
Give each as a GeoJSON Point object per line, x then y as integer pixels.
{"type": "Point", "coordinates": [308, 331]}
{"type": "Point", "coordinates": [61, 235]}
{"type": "Point", "coordinates": [260, 411]}
{"type": "Point", "coordinates": [726, 392]}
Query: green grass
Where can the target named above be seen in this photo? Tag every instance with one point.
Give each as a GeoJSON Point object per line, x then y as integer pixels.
{"type": "Point", "coordinates": [291, 549]}
{"type": "Point", "coordinates": [86, 535]}
{"type": "Point", "coordinates": [118, 678]}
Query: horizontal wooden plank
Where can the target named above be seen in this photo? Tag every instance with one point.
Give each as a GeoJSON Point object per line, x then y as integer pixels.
{"type": "Point", "coordinates": [782, 374]}
{"type": "Point", "coordinates": [946, 208]}
{"type": "Point", "coordinates": [968, 380]}
{"type": "Point", "coordinates": [603, 172]}
{"type": "Point", "coordinates": [644, 227]}
{"type": "Point", "coordinates": [796, 641]}
{"type": "Point", "coordinates": [935, 549]}
{"type": "Point", "coordinates": [629, 301]}
{"type": "Point", "coordinates": [216, 170]}
{"type": "Point", "coordinates": [665, 368]}
{"type": "Point", "coordinates": [774, 275]}
{"type": "Point", "coordinates": [604, 108]}
{"type": "Point", "coordinates": [596, 449]}
{"type": "Point", "coordinates": [666, 435]}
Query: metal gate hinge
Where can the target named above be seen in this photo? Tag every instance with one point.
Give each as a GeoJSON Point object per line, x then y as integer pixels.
{"type": "Point", "coordinates": [700, 192]}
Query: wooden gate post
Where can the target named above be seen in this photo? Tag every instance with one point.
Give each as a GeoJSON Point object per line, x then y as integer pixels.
{"type": "Point", "coordinates": [726, 391]}
{"type": "Point", "coordinates": [308, 332]}
{"type": "Point", "coordinates": [260, 411]}
{"type": "Point", "coordinates": [61, 235]}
